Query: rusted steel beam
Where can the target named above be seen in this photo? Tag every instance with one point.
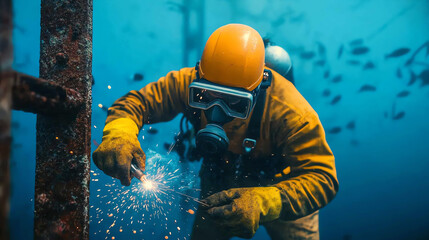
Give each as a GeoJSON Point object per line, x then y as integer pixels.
{"type": "Point", "coordinates": [63, 142]}
{"type": "Point", "coordinates": [6, 58]}
{"type": "Point", "coordinates": [37, 95]}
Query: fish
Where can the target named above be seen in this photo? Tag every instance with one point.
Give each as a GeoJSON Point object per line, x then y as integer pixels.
{"type": "Point", "coordinates": [424, 76]}
{"type": "Point", "coordinates": [326, 93]}
{"type": "Point", "coordinates": [404, 93]}
{"type": "Point", "coordinates": [360, 50]}
{"type": "Point", "coordinates": [93, 81]}
{"type": "Point", "coordinates": [152, 130]}
{"type": "Point", "coordinates": [397, 53]}
{"type": "Point", "coordinates": [399, 115]}
{"type": "Point", "coordinates": [326, 74]}
{"type": "Point", "coordinates": [336, 99]}
{"type": "Point", "coordinates": [335, 130]}
{"type": "Point", "coordinates": [413, 78]}
{"type": "Point", "coordinates": [416, 52]}
{"type": "Point", "coordinates": [409, 61]}
{"type": "Point", "coordinates": [356, 42]}
{"type": "Point", "coordinates": [321, 62]}
{"type": "Point", "coordinates": [368, 65]}
{"type": "Point", "coordinates": [353, 62]}
{"type": "Point", "coordinates": [351, 125]}
{"type": "Point", "coordinates": [337, 78]}
{"type": "Point", "coordinates": [367, 88]}
{"type": "Point", "coordinates": [138, 77]}
{"type": "Point", "coordinates": [399, 73]}
{"type": "Point", "coordinates": [307, 55]}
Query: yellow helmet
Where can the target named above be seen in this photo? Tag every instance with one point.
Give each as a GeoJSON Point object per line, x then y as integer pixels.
{"type": "Point", "coordinates": [233, 56]}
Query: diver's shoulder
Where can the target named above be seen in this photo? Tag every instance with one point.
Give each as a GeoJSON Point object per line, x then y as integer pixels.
{"type": "Point", "coordinates": [186, 74]}
{"type": "Point", "coordinates": [188, 71]}
{"type": "Point", "coordinates": [185, 71]}
{"type": "Point", "coordinates": [287, 98]}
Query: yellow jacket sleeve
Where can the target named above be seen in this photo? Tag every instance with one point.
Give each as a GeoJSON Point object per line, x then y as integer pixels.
{"type": "Point", "coordinates": [309, 180]}
{"type": "Point", "coordinates": [312, 182]}
{"type": "Point", "coordinates": [156, 102]}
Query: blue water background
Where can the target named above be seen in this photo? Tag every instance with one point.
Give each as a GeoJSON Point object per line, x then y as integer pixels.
{"type": "Point", "coordinates": [382, 164]}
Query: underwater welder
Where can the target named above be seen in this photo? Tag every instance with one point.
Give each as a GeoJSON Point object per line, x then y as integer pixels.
{"type": "Point", "coordinates": [265, 157]}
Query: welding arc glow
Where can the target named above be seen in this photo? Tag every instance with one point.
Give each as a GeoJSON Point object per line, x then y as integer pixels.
{"type": "Point", "coordinates": [148, 184]}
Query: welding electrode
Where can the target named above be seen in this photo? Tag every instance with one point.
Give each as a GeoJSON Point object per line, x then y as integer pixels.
{"type": "Point", "coordinates": [137, 172]}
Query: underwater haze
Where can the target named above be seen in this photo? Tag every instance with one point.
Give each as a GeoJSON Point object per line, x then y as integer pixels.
{"type": "Point", "coordinates": [363, 66]}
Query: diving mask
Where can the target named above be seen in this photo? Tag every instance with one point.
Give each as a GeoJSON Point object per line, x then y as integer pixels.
{"type": "Point", "coordinates": [235, 102]}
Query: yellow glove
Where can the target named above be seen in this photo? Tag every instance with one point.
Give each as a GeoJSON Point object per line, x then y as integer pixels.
{"type": "Point", "coordinates": [118, 148]}
{"type": "Point", "coordinates": [241, 210]}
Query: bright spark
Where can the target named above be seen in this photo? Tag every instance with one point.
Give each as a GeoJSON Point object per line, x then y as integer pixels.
{"type": "Point", "coordinates": [148, 185]}
{"type": "Point", "coordinates": [148, 205]}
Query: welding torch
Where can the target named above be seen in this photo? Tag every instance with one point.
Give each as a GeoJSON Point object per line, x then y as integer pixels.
{"type": "Point", "coordinates": [137, 172]}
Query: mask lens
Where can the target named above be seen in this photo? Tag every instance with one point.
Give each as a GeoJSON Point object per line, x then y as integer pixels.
{"type": "Point", "coordinates": [239, 105]}
{"type": "Point", "coordinates": [200, 96]}
{"type": "Point", "coordinates": [234, 104]}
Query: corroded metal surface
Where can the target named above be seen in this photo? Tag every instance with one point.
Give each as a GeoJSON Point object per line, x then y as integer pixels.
{"type": "Point", "coordinates": [6, 54]}
{"type": "Point", "coordinates": [36, 95]}
{"type": "Point", "coordinates": [63, 141]}
{"type": "Point", "coordinates": [6, 58]}
{"type": "Point", "coordinates": [5, 141]}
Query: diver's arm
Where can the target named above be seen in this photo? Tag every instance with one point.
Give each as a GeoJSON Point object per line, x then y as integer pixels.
{"type": "Point", "coordinates": [156, 102]}
{"type": "Point", "coordinates": [312, 182]}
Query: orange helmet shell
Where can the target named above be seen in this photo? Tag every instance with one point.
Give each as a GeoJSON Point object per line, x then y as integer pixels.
{"type": "Point", "coordinates": [234, 56]}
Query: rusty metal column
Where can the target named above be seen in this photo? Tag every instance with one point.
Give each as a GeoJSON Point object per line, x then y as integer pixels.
{"type": "Point", "coordinates": [6, 58]}
{"type": "Point", "coordinates": [63, 140]}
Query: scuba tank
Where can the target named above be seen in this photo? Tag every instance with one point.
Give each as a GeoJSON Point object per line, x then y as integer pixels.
{"type": "Point", "coordinates": [279, 60]}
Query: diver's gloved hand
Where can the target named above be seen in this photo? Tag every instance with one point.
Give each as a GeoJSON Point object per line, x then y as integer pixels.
{"type": "Point", "coordinates": [118, 149]}
{"type": "Point", "coordinates": [242, 209]}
